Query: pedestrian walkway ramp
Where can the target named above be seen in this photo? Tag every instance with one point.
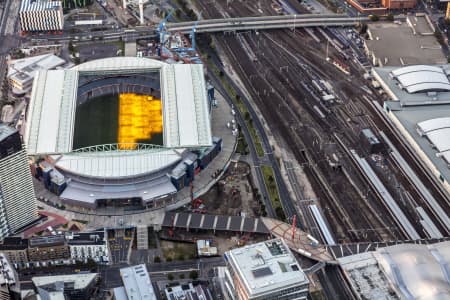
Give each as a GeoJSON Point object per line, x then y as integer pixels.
{"type": "Point", "coordinates": [214, 222]}
{"type": "Point", "coordinates": [299, 241]}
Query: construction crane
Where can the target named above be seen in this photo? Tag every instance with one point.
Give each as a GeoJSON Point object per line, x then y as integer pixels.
{"type": "Point", "coordinates": [161, 25]}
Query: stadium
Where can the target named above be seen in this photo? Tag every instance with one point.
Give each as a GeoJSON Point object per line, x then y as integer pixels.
{"type": "Point", "coordinates": [120, 131]}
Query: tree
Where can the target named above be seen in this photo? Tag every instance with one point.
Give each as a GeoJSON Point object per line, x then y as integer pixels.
{"type": "Point", "coordinates": [247, 116]}
{"type": "Point", "coordinates": [157, 259]}
{"type": "Point", "coordinates": [374, 18]}
{"type": "Point", "coordinates": [193, 275]}
{"type": "Point", "coordinates": [180, 256]}
{"type": "Point", "coordinates": [280, 213]}
{"type": "Point", "coordinates": [170, 277]}
{"type": "Point", "coordinates": [363, 29]}
{"type": "Point", "coordinates": [390, 17]}
{"type": "Point", "coordinates": [181, 276]}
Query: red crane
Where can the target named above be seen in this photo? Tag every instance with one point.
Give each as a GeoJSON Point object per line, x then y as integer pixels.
{"type": "Point", "coordinates": [294, 226]}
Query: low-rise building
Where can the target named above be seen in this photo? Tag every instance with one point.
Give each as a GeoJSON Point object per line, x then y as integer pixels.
{"type": "Point", "coordinates": [419, 107]}
{"type": "Point", "coordinates": [15, 249]}
{"type": "Point", "coordinates": [403, 271]}
{"type": "Point", "coordinates": [188, 291]}
{"type": "Point", "coordinates": [204, 248]}
{"type": "Point", "coordinates": [45, 248]}
{"type": "Point", "coordinates": [88, 245]}
{"type": "Point", "coordinates": [266, 270]}
{"type": "Point", "coordinates": [136, 283]}
{"type": "Point", "coordinates": [9, 286]}
{"type": "Point", "coordinates": [21, 72]}
{"type": "Point", "coordinates": [75, 286]}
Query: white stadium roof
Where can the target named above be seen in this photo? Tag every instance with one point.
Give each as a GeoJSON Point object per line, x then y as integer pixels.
{"type": "Point", "coordinates": [117, 164]}
{"type": "Point", "coordinates": [438, 133]}
{"type": "Point", "coordinates": [51, 115]}
{"type": "Point", "coordinates": [422, 78]}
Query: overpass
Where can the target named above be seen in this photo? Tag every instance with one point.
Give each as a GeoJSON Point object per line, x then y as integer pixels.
{"type": "Point", "coordinates": [266, 22]}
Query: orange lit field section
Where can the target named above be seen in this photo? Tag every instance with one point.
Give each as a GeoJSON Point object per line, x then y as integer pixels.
{"type": "Point", "coordinates": [140, 116]}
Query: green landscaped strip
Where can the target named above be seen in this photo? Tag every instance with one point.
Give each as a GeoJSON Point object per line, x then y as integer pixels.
{"type": "Point", "coordinates": [269, 180]}
{"type": "Point", "coordinates": [241, 106]}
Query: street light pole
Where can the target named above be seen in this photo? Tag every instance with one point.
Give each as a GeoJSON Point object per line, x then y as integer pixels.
{"type": "Point", "coordinates": [295, 19]}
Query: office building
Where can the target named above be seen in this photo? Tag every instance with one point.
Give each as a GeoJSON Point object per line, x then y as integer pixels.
{"type": "Point", "coordinates": [266, 270]}
{"type": "Point", "coordinates": [76, 286]}
{"type": "Point", "coordinates": [17, 198]}
{"type": "Point", "coordinates": [52, 247]}
{"type": "Point", "coordinates": [41, 15]}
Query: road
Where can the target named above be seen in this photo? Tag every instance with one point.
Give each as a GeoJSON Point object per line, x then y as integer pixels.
{"type": "Point", "coordinates": [158, 271]}
{"type": "Point", "coordinates": [269, 158]}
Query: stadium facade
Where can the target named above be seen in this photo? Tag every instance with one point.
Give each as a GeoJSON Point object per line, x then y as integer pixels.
{"type": "Point", "coordinates": [120, 172]}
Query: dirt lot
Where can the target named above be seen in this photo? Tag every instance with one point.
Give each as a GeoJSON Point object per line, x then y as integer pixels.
{"type": "Point", "coordinates": [178, 251]}
{"type": "Point", "coordinates": [233, 194]}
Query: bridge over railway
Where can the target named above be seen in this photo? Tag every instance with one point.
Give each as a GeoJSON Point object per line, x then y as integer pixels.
{"type": "Point", "coordinates": [265, 22]}
{"type": "Point", "coordinates": [299, 242]}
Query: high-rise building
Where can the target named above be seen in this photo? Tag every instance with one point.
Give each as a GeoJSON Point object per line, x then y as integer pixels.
{"type": "Point", "coordinates": [17, 198]}
{"type": "Point", "coordinates": [41, 15]}
{"type": "Point", "coordinates": [266, 270]}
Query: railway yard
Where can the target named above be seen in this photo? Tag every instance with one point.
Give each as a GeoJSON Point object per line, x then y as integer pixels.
{"type": "Point", "coordinates": [309, 86]}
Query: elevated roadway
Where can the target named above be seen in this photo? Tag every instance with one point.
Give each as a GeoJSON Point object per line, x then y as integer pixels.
{"type": "Point", "coordinates": [266, 22]}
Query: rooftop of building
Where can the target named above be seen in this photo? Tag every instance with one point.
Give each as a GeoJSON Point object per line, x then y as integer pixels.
{"type": "Point", "coordinates": [39, 5]}
{"type": "Point", "coordinates": [266, 266]}
{"type": "Point", "coordinates": [416, 85]}
{"type": "Point", "coordinates": [6, 271]}
{"type": "Point", "coordinates": [47, 241]}
{"type": "Point", "coordinates": [419, 45]}
{"type": "Point", "coordinates": [120, 293]}
{"type": "Point", "coordinates": [27, 67]}
{"type": "Point", "coordinates": [87, 238]}
{"type": "Point", "coordinates": [406, 271]}
{"type": "Point", "coordinates": [137, 282]}
{"type": "Point", "coordinates": [188, 291]}
{"type": "Point", "coordinates": [73, 281]}
{"type": "Point", "coordinates": [14, 243]}
{"type": "Point", "coordinates": [433, 145]}
{"type": "Point", "coordinates": [6, 131]}
{"type": "Point", "coordinates": [421, 103]}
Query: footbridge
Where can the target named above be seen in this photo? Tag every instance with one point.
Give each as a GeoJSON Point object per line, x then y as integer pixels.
{"type": "Point", "coordinates": [265, 22]}
{"type": "Point", "coordinates": [298, 243]}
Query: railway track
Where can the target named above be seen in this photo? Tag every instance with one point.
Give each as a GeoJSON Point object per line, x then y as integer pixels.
{"type": "Point", "coordinates": [278, 76]}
